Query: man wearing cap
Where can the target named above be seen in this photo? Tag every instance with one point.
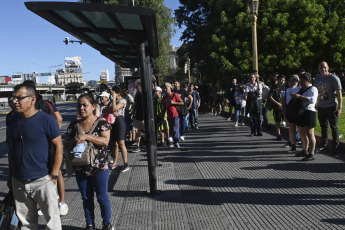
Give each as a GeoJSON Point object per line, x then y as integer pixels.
{"type": "Point", "coordinates": [328, 107]}
{"type": "Point", "coordinates": [170, 101]}
{"type": "Point", "coordinates": [160, 115]}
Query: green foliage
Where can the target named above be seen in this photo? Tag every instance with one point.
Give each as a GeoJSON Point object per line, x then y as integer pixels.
{"type": "Point", "coordinates": [291, 34]}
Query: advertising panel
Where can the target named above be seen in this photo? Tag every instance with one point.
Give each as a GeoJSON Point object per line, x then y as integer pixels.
{"type": "Point", "coordinates": [72, 61]}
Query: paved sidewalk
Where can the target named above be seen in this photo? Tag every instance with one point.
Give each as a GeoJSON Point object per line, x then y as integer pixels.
{"type": "Point", "coordinates": [223, 179]}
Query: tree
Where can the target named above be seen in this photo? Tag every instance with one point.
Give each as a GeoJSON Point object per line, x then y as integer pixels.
{"type": "Point", "coordinates": [165, 24]}
{"type": "Point", "coordinates": [291, 34]}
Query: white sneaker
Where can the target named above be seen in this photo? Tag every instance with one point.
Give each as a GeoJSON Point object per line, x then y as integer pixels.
{"type": "Point", "coordinates": [171, 139]}
{"type": "Point", "coordinates": [243, 124]}
{"type": "Point", "coordinates": [63, 208]}
{"type": "Point", "coordinates": [236, 125]}
{"type": "Point", "coordinates": [182, 138]}
{"type": "Point", "coordinates": [39, 212]}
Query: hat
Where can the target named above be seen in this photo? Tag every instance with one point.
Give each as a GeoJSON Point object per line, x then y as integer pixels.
{"type": "Point", "coordinates": [104, 94]}
{"type": "Point", "coordinates": [168, 85]}
{"type": "Point", "coordinates": [157, 88]}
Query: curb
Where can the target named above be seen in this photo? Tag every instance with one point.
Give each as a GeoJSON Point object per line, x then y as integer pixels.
{"type": "Point", "coordinates": [285, 130]}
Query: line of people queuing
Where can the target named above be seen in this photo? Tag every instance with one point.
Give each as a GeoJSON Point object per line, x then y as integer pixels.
{"type": "Point", "coordinates": [36, 153]}
{"type": "Point", "coordinates": [296, 102]}
{"type": "Point", "coordinates": [36, 149]}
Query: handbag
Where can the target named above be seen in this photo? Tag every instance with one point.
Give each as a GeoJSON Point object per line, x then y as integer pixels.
{"type": "Point", "coordinates": [182, 109]}
{"type": "Point", "coordinates": [88, 156]}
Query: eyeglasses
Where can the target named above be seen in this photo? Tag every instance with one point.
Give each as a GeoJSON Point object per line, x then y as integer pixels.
{"type": "Point", "coordinates": [17, 98]}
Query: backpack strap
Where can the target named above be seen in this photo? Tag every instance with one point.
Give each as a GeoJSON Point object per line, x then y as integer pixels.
{"type": "Point", "coordinates": [51, 107]}
{"type": "Point", "coordinates": [91, 129]}
{"type": "Point", "coordinates": [302, 91]}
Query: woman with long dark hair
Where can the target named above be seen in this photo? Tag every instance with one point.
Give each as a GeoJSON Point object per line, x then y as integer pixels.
{"type": "Point", "coordinates": [118, 131]}
{"type": "Point", "coordinates": [94, 177]}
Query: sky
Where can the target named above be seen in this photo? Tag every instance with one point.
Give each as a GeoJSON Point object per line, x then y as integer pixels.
{"type": "Point", "coordinates": [29, 43]}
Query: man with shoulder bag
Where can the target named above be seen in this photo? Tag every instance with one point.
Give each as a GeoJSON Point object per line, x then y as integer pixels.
{"type": "Point", "coordinates": [33, 173]}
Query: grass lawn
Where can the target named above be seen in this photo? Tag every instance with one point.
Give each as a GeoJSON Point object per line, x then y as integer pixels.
{"type": "Point", "coordinates": [341, 124]}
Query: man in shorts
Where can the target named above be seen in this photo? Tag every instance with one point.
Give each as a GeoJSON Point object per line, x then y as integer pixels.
{"type": "Point", "coordinates": [161, 119]}
{"type": "Point", "coordinates": [275, 96]}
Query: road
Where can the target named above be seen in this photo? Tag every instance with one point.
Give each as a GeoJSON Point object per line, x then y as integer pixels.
{"type": "Point", "coordinates": [68, 113]}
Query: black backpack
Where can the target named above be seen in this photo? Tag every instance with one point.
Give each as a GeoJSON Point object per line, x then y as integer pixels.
{"type": "Point", "coordinates": [182, 109]}
{"type": "Point", "coordinates": [294, 108]}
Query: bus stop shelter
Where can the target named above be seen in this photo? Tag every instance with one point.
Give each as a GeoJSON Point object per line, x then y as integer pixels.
{"type": "Point", "coordinates": [126, 35]}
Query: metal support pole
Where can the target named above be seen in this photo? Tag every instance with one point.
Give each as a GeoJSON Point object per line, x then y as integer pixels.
{"type": "Point", "coordinates": [150, 134]}
{"type": "Point", "coordinates": [255, 43]}
{"type": "Point", "coordinates": [189, 70]}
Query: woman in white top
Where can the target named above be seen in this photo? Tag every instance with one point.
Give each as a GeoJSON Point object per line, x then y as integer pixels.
{"type": "Point", "coordinates": [307, 121]}
{"type": "Point", "coordinates": [293, 88]}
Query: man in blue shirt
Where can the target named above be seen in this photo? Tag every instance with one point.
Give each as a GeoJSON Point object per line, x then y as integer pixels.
{"type": "Point", "coordinates": [33, 172]}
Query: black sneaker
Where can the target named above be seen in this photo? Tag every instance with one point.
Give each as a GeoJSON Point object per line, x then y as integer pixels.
{"type": "Point", "coordinates": [136, 150]}
{"type": "Point", "coordinates": [90, 227]}
{"type": "Point", "coordinates": [279, 138]}
{"type": "Point", "coordinates": [162, 144]}
{"type": "Point", "coordinates": [251, 134]}
{"type": "Point", "coordinates": [335, 152]}
{"type": "Point", "coordinates": [108, 227]}
{"type": "Point", "coordinates": [303, 153]}
{"type": "Point", "coordinates": [321, 148]}
{"type": "Point", "coordinates": [288, 145]}
{"type": "Point", "coordinates": [260, 134]}
{"type": "Point", "coordinates": [309, 157]}
{"type": "Point", "coordinates": [293, 149]}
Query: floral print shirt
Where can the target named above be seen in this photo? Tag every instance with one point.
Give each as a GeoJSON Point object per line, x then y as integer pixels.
{"type": "Point", "coordinates": [101, 159]}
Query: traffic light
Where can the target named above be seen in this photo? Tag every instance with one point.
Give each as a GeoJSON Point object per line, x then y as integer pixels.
{"type": "Point", "coordinates": [66, 40]}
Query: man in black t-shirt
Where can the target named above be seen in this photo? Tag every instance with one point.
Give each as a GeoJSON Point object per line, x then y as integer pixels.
{"type": "Point", "coordinates": [184, 96]}
{"type": "Point", "coordinates": [276, 99]}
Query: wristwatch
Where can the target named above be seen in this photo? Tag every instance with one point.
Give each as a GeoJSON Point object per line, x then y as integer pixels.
{"type": "Point", "coordinates": [54, 177]}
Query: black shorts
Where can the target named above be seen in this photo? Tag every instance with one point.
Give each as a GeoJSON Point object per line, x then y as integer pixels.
{"type": "Point", "coordinates": [118, 129]}
{"type": "Point", "coordinates": [308, 119]}
{"type": "Point", "coordinates": [278, 115]}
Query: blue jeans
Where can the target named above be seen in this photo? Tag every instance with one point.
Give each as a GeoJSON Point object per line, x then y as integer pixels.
{"type": "Point", "coordinates": [174, 124]}
{"type": "Point", "coordinates": [183, 124]}
{"type": "Point", "coordinates": [88, 185]}
{"type": "Point", "coordinates": [255, 118]}
{"type": "Point", "coordinates": [241, 111]}
{"type": "Point", "coordinates": [193, 117]}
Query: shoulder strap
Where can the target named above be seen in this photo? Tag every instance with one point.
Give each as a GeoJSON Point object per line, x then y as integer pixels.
{"type": "Point", "coordinates": [92, 127]}
{"type": "Point", "coordinates": [302, 91]}
{"type": "Point", "coordinates": [51, 107]}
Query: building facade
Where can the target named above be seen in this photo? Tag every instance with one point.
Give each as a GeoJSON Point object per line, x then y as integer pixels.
{"type": "Point", "coordinates": [121, 73]}
{"type": "Point", "coordinates": [72, 73]}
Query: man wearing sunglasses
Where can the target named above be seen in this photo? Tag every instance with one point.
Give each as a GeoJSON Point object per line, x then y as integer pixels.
{"type": "Point", "coordinates": [33, 172]}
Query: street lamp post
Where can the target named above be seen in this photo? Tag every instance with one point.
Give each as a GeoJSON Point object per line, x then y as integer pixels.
{"type": "Point", "coordinates": [253, 8]}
